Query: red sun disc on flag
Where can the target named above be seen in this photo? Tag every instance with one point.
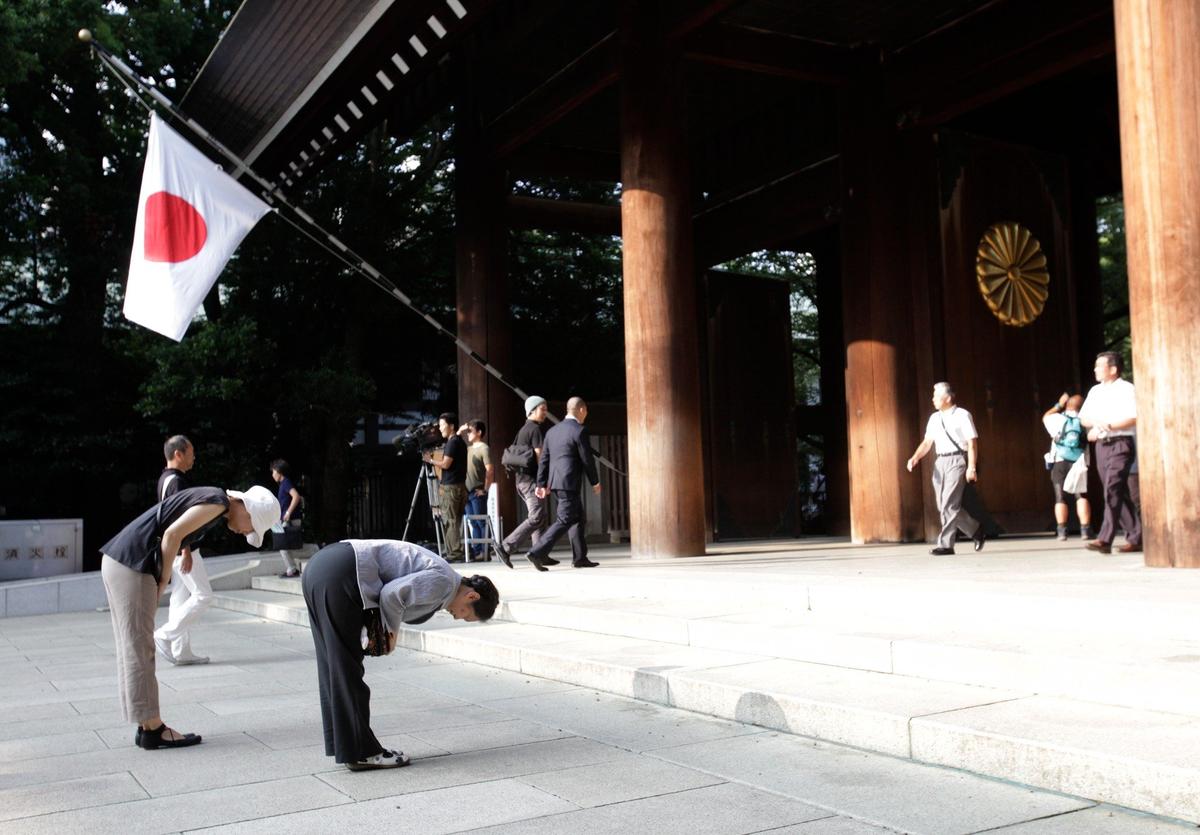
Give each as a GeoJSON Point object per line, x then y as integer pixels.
{"type": "Point", "coordinates": [175, 231]}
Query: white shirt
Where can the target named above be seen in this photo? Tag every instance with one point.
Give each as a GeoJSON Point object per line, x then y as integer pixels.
{"type": "Point", "coordinates": [958, 424]}
{"type": "Point", "coordinates": [404, 580]}
{"type": "Point", "coordinates": [1110, 403]}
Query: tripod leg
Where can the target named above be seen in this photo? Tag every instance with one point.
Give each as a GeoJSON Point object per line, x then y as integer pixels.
{"type": "Point", "coordinates": [412, 506]}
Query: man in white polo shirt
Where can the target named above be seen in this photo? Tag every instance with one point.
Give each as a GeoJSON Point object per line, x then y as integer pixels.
{"type": "Point", "coordinates": [1110, 413]}
{"type": "Point", "coordinates": [951, 433]}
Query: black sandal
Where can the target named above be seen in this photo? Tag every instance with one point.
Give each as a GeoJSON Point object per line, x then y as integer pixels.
{"type": "Point", "coordinates": [153, 739]}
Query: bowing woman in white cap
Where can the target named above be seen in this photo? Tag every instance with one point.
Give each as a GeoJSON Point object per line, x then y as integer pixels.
{"type": "Point", "coordinates": [136, 568]}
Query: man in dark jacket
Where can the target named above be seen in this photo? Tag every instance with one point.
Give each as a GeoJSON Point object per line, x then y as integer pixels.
{"type": "Point", "coordinates": [566, 458]}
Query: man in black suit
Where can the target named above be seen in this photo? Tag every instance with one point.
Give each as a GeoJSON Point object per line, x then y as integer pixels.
{"type": "Point", "coordinates": [566, 455]}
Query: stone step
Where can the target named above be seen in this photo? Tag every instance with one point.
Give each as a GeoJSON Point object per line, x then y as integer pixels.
{"type": "Point", "coordinates": [1126, 671]}
{"type": "Point", "coordinates": [1142, 759]}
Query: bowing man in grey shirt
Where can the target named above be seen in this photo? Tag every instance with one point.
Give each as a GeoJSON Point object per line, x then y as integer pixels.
{"type": "Point", "coordinates": [407, 584]}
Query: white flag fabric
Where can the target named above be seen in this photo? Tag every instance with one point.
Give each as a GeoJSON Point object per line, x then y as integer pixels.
{"type": "Point", "coordinates": [191, 217]}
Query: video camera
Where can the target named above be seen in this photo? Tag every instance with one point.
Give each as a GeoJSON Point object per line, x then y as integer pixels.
{"type": "Point", "coordinates": [418, 439]}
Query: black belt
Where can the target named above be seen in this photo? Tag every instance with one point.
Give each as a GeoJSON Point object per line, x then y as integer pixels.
{"type": "Point", "coordinates": [1112, 439]}
{"type": "Point", "coordinates": [945, 454]}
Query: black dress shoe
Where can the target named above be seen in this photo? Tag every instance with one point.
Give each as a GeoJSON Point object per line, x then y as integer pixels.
{"type": "Point", "coordinates": [980, 538]}
{"type": "Point", "coordinates": [584, 563]}
{"type": "Point", "coordinates": [942, 552]}
{"type": "Point", "coordinates": [537, 563]}
{"type": "Point", "coordinates": [549, 560]}
{"type": "Point", "coordinates": [505, 557]}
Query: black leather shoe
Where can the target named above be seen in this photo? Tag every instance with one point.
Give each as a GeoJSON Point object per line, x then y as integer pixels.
{"type": "Point", "coordinates": [584, 563]}
{"type": "Point", "coordinates": [942, 552]}
{"type": "Point", "coordinates": [152, 740]}
{"type": "Point", "coordinates": [549, 560]}
{"type": "Point", "coordinates": [505, 557]}
{"type": "Point", "coordinates": [536, 562]}
{"type": "Point", "coordinates": [980, 538]}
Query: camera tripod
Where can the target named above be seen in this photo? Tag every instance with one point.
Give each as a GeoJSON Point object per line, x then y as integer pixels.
{"type": "Point", "coordinates": [428, 477]}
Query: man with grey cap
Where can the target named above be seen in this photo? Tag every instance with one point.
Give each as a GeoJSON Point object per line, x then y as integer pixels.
{"type": "Point", "coordinates": [530, 436]}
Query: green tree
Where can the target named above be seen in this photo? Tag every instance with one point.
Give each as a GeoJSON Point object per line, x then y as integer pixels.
{"type": "Point", "coordinates": [1114, 280]}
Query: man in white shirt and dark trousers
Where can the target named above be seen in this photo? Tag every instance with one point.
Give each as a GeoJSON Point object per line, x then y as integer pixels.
{"type": "Point", "coordinates": [1110, 413]}
{"type": "Point", "coordinates": [191, 592]}
{"type": "Point", "coordinates": [951, 433]}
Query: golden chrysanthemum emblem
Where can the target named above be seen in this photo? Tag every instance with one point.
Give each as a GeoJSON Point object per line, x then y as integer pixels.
{"type": "Point", "coordinates": [1011, 270]}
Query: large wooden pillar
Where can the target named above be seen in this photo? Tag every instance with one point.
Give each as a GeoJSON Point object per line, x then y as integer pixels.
{"type": "Point", "coordinates": [484, 321]}
{"type": "Point", "coordinates": [884, 421]}
{"type": "Point", "coordinates": [1158, 80]}
{"type": "Point", "coordinates": [666, 477]}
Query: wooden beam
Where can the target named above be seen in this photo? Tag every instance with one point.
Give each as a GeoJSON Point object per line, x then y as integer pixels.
{"type": "Point", "coordinates": [990, 55]}
{"type": "Point", "coordinates": [567, 89]}
{"type": "Point", "coordinates": [767, 53]}
{"type": "Point", "coordinates": [687, 16]}
{"type": "Point", "coordinates": [563, 215]}
{"type": "Point", "coordinates": [1158, 81]}
{"type": "Point", "coordinates": [580, 80]}
{"type": "Point", "coordinates": [786, 208]}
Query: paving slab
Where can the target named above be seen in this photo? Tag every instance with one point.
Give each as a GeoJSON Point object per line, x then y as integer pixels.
{"type": "Point", "coordinates": [1099, 820]}
{"type": "Point", "coordinates": [834, 825]}
{"type": "Point", "coordinates": [186, 811]}
{"type": "Point", "coordinates": [473, 767]}
{"type": "Point", "coordinates": [434, 812]}
{"type": "Point", "coordinates": [892, 793]}
{"type": "Point", "coordinates": [723, 809]}
{"type": "Point", "coordinates": [64, 795]}
{"type": "Point", "coordinates": [641, 727]}
{"type": "Point", "coordinates": [635, 778]}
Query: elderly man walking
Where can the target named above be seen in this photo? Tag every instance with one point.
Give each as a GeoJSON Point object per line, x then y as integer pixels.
{"type": "Point", "coordinates": [951, 433]}
{"type": "Point", "coordinates": [1110, 412]}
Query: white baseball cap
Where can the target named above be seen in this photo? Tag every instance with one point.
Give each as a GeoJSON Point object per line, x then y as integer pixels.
{"type": "Point", "coordinates": [263, 508]}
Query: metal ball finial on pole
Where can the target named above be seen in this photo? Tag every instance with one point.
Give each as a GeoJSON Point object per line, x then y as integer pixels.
{"type": "Point", "coordinates": [85, 35]}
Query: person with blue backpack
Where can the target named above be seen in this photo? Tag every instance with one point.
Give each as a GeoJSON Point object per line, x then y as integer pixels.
{"type": "Point", "coordinates": [1068, 445]}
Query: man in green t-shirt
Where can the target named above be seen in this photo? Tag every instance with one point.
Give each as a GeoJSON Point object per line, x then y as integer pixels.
{"type": "Point", "coordinates": [480, 475]}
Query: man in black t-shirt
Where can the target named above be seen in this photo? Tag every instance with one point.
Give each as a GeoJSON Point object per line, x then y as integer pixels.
{"type": "Point", "coordinates": [191, 592]}
{"type": "Point", "coordinates": [452, 469]}
{"type": "Point", "coordinates": [530, 435]}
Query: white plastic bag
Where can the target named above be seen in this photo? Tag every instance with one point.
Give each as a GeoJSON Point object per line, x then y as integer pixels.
{"type": "Point", "coordinates": [1077, 477]}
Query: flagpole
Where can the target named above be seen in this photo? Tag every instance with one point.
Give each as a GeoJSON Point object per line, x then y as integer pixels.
{"type": "Point", "coordinates": [271, 193]}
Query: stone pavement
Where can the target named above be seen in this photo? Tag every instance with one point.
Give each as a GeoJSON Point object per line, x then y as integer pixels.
{"type": "Point", "coordinates": [494, 751]}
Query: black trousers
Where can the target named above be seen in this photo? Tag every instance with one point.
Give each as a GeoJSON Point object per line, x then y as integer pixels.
{"type": "Point", "coordinates": [1114, 458]}
{"type": "Point", "coordinates": [335, 611]}
{"type": "Point", "coordinates": [569, 517]}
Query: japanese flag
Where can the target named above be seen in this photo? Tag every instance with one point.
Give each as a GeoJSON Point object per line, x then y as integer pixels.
{"type": "Point", "coordinates": [191, 217]}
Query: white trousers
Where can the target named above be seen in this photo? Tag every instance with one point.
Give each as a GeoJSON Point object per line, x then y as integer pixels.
{"type": "Point", "coordinates": [191, 594]}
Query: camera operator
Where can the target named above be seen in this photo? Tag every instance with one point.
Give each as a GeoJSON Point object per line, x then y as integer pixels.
{"type": "Point", "coordinates": [452, 469]}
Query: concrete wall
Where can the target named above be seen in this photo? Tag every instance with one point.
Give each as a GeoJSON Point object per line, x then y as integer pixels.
{"type": "Point", "coordinates": [85, 592]}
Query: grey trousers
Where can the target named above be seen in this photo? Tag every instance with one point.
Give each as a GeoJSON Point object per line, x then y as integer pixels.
{"type": "Point", "coordinates": [132, 601]}
{"type": "Point", "coordinates": [335, 612]}
{"type": "Point", "coordinates": [949, 481]}
{"type": "Point", "coordinates": [535, 522]}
